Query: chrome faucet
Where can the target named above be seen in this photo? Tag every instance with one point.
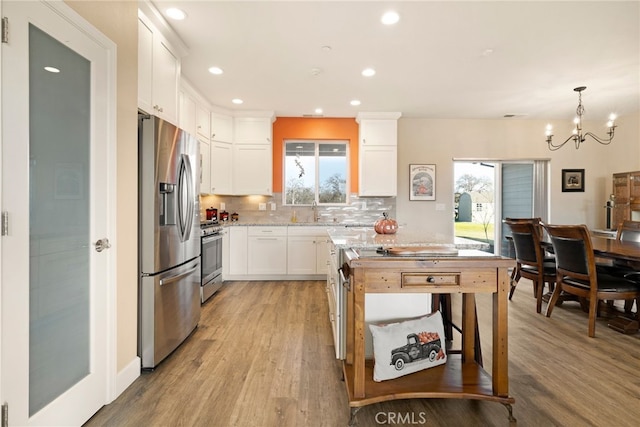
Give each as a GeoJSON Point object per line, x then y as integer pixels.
{"type": "Point", "coordinates": [314, 208]}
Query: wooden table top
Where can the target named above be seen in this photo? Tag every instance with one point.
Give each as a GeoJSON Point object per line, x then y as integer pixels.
{"type": "Point", "coordinates": [609, 248]}
{"type": "Point", "coordinates": [617, 249]}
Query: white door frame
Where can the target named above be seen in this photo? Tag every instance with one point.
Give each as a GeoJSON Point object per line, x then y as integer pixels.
{"type": "Point", "coordinates": [110, 47]}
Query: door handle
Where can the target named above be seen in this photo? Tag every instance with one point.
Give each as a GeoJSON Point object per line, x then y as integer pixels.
{"type": "Point", "coordinates": [178, 277]}
{"type": "Point", "coordinates": [102, 244]}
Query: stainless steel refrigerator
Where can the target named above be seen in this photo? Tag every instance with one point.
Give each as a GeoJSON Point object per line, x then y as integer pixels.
{"type": "Point", "coordinates": [169, 238]}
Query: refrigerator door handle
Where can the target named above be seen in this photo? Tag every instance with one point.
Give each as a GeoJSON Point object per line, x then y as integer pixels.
{"type": "Point", "coordinates": [178, 277]}
{"type": "Point", "coordinates": [185, 198]}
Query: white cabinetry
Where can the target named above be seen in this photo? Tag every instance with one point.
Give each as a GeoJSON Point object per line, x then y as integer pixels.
{"type": "Point", "coordinates": [221, 154]}
{"type": "Point", "coordinates": [203, 121]}
{"type": "Point", "coordinates": [238, 259]}
{"type": "Point", "coordinates": [378, 146]}
{"type": "Point", "coordinates": [252, 167]}
{"type": "Point", "coordinates": [221, 127]}
{"type": "Point", "coordinates": [194, 112]}
{"type": "Point", "coordinates": [205, 166]}
{"type": "Point", "coordinates": [307, 250]}
{"type": "Point", "coordinates": [252, 155]}
{"type": "Point", "coordinates": [187, 113]}
{"type": "Point", "coordinates": [158, 72]}
{"type": "Point", "coordinates": [221, 168]}
{"type": "Point", "coordinates": [267, 250]}
{"type": "Point", "coordinates": [252, 130]}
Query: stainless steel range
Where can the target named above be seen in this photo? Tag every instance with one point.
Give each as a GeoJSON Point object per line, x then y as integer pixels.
{"type": "Point", "coordinates": [211, 259]}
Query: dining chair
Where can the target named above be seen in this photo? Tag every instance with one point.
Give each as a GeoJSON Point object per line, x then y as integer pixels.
{"type": "Point", "coordinates": [628, 231]}
{"type": "Point", "coordinates": [578, 275]}
{"type": "Point", "coordinates": [530, 257]}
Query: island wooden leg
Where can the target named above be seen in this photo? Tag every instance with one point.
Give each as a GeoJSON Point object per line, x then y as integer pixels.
{"type": "Point", "coordinates": [349, 322]}
{"type": "Point", "coordinates": [468, 327]}
{"type": "Point", "coordinates": [358, 344]}
{"type": "Point", "coordinates": [500, 374]}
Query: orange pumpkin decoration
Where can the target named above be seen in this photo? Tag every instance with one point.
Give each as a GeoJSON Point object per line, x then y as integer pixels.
{"type": "Point", "coordinates": [386, 225]}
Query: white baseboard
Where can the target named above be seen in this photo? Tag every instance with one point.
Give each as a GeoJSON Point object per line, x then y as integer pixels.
{"type": "Point", "coordinates": [127, 376]}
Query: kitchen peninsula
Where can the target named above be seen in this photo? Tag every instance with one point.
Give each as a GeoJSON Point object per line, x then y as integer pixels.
{"type": "Point", "coordinates": [423, 264]}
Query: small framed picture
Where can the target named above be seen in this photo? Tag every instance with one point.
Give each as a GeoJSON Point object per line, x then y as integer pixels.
{"type": "Point", "coordinates": [572, 180]}
{"type": "Point", "coordinates": [422, 182]}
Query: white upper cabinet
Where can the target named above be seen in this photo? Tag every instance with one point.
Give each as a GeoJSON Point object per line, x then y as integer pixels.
{"type": "Point", "coordinates": [145, 67]}
{"type": "Point", "coordinates": [187, 113]}
{"type": "Point", "coordinates": [205, 165]}
{"type": "Point", "coordinates": [203, 121]}
{"type": "Point", "coordinates": [221, 127]}
{"type": "Point", "coordinates": [252, 166]}
{"type": "Point", "coordinates": [221, 168]}
{"type": "Point", "coordinates": [252, 130]}
{"type": "Point", "coordinates": [194, 111]}
{"type": "Point", "coordinates": [158, 72]}
{"type": "Point", "coordinates": [378, 132]}
{"type": "Point", "coordinates": [378, 145]}
{"type": "Point", "coordinates": [252, 154]}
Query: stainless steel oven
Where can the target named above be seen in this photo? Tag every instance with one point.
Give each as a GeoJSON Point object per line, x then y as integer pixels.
{"type": "Point", "coordinates": [211, 262]}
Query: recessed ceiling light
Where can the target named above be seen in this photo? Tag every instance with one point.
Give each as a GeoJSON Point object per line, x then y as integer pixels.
{"type": "Point", "coordinates": [390, 18]}
{"type": "Point", "coordinates": [318, 110]}
{"type": "Point", "coordinates": [237, 101]}
{"type": "Point", "coordinates": [368, 72]}
{"type": "Point", "coordinates": [52, 69]}
{"type": "Point", "coordinates": [175, 13]}
{"type": "Point", "coordinates": [216, 70]}
{"type": "Point", "coordinates": [355, 102]}
{"type": "Point", "coordinates": [326, 48]}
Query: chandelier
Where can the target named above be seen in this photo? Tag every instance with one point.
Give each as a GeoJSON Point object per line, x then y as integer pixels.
{"type": "Point", "coordinates": [577, 135]}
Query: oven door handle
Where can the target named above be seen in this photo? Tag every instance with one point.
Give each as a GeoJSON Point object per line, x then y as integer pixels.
{"type": "Point", "coordinates": [209, 239]}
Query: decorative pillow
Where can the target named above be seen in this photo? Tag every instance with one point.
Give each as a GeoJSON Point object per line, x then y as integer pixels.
{"type": "Point", "coordinates": [409, 346]}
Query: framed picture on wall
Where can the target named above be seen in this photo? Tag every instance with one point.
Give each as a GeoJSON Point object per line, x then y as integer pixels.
{"type": "Point", "coordinates": [572, 180]}
{"type": "Point", "coordinates": [422, 182]}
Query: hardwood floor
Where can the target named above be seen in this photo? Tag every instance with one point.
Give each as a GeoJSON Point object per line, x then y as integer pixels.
{"type": "Point", "coordinates": [263, 356]}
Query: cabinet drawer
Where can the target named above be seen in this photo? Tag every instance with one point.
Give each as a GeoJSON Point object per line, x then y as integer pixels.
{"type": "Point", "coordinates": [430, 279]}
{"type": "Point", "coordinates": [262, 231]}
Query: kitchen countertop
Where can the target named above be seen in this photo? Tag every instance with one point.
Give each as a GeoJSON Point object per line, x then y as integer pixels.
{"type": "Point", "coordinates": [296, 224]}
{"type": "Point", "coordinates": [363, 236]}
{"type": "Point", "coordinates": [367, 238]}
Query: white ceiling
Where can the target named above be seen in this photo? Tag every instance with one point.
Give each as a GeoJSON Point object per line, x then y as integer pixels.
{"type": "Point", "coordinates": [434, 63]}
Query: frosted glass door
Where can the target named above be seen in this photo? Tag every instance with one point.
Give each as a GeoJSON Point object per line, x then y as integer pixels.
{"type": "Point", "coordinates": [58, 159]}
{"type": "Point", "coordinates": [60, 83]}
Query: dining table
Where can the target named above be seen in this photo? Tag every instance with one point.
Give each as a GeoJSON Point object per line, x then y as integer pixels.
{"type": "Point", "coordinates": [616, 250]}
{"type": "Point", "coordinates": [605, 247]}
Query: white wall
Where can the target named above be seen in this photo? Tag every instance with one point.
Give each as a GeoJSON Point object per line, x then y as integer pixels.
{"type": "Point", "coordinates": [439, 141]}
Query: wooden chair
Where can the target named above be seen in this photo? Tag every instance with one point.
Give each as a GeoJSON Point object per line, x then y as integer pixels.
{"type": "Point", "coordinates": [628, 231]}
{"type": "Point", "coordinates": [577, 273]}
{"type": "Point", "coordinates": [530, 258]}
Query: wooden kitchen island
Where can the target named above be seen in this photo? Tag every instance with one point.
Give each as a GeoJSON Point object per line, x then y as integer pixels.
{"type": "Point", "coordinates": [462, 377]}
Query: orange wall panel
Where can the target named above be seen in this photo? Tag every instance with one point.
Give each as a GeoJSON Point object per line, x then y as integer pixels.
{"type": "Point", "coordinates": [314, 128]}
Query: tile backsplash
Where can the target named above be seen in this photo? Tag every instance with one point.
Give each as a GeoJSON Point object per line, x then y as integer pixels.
{"type": "Point", "coordinates": [361, 210]}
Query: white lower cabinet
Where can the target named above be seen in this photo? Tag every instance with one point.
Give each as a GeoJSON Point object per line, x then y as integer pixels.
{"type": "Point", "coordinates": [267, 250]}
{"type": "Point", "coordinates": [323, 245]}
{"type": "Point", "coordinates": [307, 250]}
{"type": "Point", "coordinates": [253, 252]}
{"type": "Point", "coordinates": [238, 259]}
